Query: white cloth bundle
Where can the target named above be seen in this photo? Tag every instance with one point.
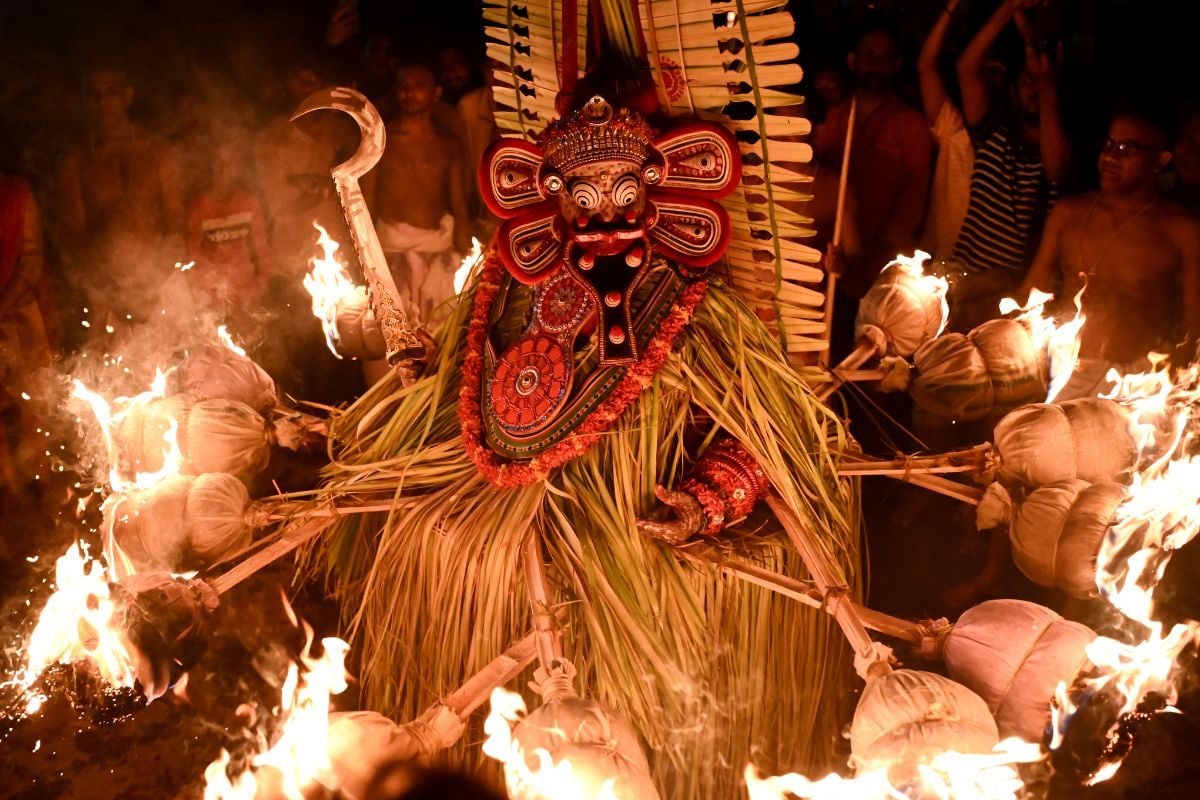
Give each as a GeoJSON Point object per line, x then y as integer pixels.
{"type": "Point", "coordinates": [1013, 654]}
{"type": "Point", "coordinates": [1087, 439]}
{"type": "Point", "coordinates": [990, 369]}
{"type": "Point", "coordinates": [1057, 532]}
{"type": "Point", "coordinates": [214, 372]}
{"type": "Point", "coordinates": [907, 714]}
{"type": "Point", "coordinates": [183, 522]}
{"type": "Point", "coordinates": [358, 332]}
{"type": "Point", "coordinates": [213, 436]}
{"type": "Point", "coordinates": [905, 307]}
{"type": "Point", "coordinates": [599, 744]}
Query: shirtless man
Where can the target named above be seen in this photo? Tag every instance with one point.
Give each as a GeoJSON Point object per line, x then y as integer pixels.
{"type": "Point", "coordinates": [417, 196]}
{"type": "Point", "coordinates": [122, 203]}
{"type": "Point", "coordinates": [1137, 252]}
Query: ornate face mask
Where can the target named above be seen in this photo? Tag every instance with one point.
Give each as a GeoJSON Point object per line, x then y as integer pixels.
{"type": "Point", "coordinates": [599, 196]}
{"type": "Point", "coordinates": [586, 214]}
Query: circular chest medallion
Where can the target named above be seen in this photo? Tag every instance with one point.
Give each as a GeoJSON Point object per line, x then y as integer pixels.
{"type": "Point", "coordinates": [562, 305]}
{"type": "Point", "coordinates": [530, 383]}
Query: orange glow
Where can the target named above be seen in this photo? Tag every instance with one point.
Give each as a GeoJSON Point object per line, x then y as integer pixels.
{"type": "Point", "coordinates": [329, 284]}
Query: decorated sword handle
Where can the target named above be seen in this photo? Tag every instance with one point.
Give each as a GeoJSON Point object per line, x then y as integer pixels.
{"type": "Point", "coordinates": [401, 328]}
{"type": "Point", "coordinates": [396, 318]}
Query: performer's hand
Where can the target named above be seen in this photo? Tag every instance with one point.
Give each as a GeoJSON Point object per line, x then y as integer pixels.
{"type": "Point", "coordinates": [410, 369]}
{"type": "Point", "coordinates": [687, 522]}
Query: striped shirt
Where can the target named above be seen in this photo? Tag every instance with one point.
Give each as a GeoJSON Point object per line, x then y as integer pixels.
{"type": "Point", "coordinates": [1010, 197]}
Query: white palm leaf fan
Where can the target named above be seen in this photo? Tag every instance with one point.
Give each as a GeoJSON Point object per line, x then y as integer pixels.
{"type": "Point", "coordinates": [526, 38]}
{"type": "Point", "coordinates": [732, 63]}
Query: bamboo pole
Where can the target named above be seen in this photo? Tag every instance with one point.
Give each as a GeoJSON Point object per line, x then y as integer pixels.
{"type": "Point", "coordinates": [810, 595]}
{"type": "Point", "coordinates": [464, 700]}
{"type": "Point", "coordinates": [288, 541]}
{"type": "Point", "coordinates": [974, 459]}
{"type": "Point", "coordinates": [845, 613]}
{"type": "Point", "coordinates": [545, 628]}
{"type": "Point", "coordinates": [971, 495]}
{"type": "Point", "coordinates": [860, 375]}
{"type": "Point", "coordinates": [836, 241]}
{"type": "Point", "coordinates": [861, 353]}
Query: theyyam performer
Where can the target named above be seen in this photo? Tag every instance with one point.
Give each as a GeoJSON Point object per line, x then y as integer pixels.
{"type": "Point", "coordinates": [611, 401]}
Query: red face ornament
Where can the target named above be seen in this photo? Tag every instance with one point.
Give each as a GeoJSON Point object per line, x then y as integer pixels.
{"type": "Point", "coordinates": [598, 197]}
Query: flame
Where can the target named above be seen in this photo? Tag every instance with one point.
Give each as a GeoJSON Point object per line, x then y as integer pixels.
{"type": "Point", "coordinates": [109, 420]}
{"type": "Point", "coordinates": [963, 776]}
{"type": "Point", "coordinates": [546, 781]}
{"type": "Point", "coordinates": [1061, 341]}
{"type": "Point", "coordinates": [300, 754]}
{"type": "Point", "coordinates": [1160, 514]}
{"type": "Point", "coordinates": [329, 284]}
{"type": "Point", "coordinates": [468, 265]}
{"type": "Point", "coordinates": [935, 285]}
{"type": "Point", "coordinates": [227, 340]}
{"type": "Point", "coordinates": [78, 624]}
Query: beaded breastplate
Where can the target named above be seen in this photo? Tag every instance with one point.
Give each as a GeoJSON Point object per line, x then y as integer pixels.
{"type": "Point", "coordinates": [611, 226]}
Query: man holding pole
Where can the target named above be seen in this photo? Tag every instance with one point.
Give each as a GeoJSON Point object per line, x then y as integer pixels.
{"type": "Point", "coordinates": [888, 171]}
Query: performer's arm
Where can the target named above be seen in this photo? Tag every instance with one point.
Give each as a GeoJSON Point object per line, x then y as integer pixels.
{"type": "Point", "coordinates": [1052, 138]}
{"type": "Point", "coordinates": [1044, 273]}
{"type": "Point", "coordinates": [725, 484]}
{"type": "Point", "coordinates": [1189, 283]}
{"type": "Point", "coordinates": [933, 90]}
{"type": "Point", "coordinates": [971, 81]}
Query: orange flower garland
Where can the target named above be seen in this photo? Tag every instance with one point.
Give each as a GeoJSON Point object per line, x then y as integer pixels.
{"type": "Point", "coordinates": [510, 474]}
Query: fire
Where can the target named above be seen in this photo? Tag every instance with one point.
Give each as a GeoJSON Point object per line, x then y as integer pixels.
{"type": "Point", "coordinates": [227, 340]}
{"type": "Point", "coordinates": [934, 285]}
{"type": "Point", "coordinates": [547, 779]}
{"type": "Point", "coordinates": [77, 624]}
{"type": "Point", "coordinates": [468, 265]}
{"type": "Point", "coordinates": [330, 286]}
{"type": "Point", "coordinates": [300, 753]}
{"type": "Point", "coordinates": [960, 776]}
{"type": "Point", "coordinates": [109, 420]}
{"type": "Point", "coordinates": [1060, 341]}
{"type": "Point", "coordinates": [1160, 515]}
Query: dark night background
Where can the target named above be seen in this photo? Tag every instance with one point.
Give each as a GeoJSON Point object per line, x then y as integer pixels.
{"type": "Point", "coordinates": [230, 56]}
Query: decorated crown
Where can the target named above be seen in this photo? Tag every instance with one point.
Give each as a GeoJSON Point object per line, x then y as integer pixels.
{"type": "Point", "coordinates": [595, 133]}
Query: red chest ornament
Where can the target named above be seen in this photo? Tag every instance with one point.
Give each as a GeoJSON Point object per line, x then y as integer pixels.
{"type": "Point", "coordinates": [613, 227]}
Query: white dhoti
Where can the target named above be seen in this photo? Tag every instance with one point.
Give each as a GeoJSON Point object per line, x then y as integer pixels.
{"type": "Point", "coordinates": [423, 263]}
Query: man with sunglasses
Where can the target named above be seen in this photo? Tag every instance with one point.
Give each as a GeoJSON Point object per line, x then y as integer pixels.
{"type": "Point", "coordinates": [1134, 254]}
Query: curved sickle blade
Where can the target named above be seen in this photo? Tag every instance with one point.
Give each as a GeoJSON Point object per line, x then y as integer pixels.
{"type": "Point", "coordinates": [391, 308]}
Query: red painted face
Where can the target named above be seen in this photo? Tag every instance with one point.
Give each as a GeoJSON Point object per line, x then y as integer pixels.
{"type": "Point", "coordinates": [603, 205]}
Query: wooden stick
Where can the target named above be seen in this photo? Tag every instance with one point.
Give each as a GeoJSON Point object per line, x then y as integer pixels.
{"type": "Point", "coordinates": [973, 459]}
{"type": "Point", "coordinates": [856, 359]}
{"type": "Point", "coordinates": [464, 700]}
{"type": "Point", "coordinates": [810, 595]}
{"type": "Point", "coordinates": [836, 241]}
{"type": "Point", "coordinates": [330, 511]}
{"type": "Point", "coordinates": [545, 630]}
{"type": "Point", "coordinates": [823, 577]}
{"type": "Point", "coordinates": [286, 543]}
{"type": "Point", "coordinates": [860, 375]}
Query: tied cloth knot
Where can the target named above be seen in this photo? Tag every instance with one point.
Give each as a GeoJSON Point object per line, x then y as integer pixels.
{"type": "Point", "coordinates": [875, 663]}
{"type": "Point", "coordinates": [934, 633]}
{"type": "Point", "coordinates": [556, 685]}
{"type": "Point", "coordinates": [833, 598]}
{"type": "Point", "coordinates": [435, 730]}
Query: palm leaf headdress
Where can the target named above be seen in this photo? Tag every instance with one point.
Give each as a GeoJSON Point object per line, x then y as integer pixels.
{"type": "Point", "coordinates": [726, 62]}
